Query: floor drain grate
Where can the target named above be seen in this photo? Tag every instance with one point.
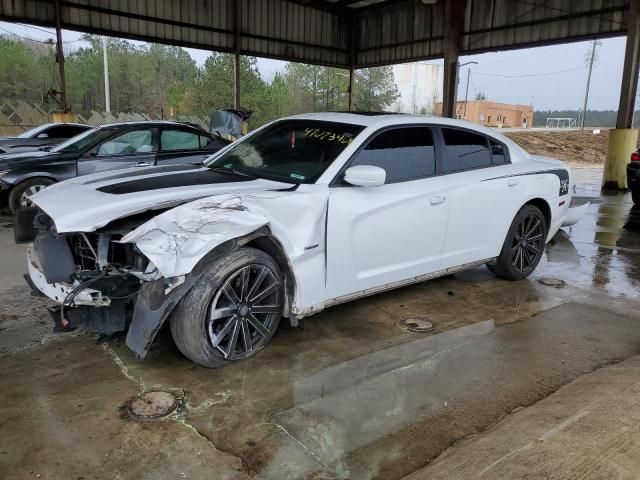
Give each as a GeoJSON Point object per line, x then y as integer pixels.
{"type": "Point", "coordinates": [152, 405]}
{"type": "Point", "coordinates": [416, 324]}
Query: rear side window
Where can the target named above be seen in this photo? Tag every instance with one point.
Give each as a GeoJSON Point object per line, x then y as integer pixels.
{"type": "Point", "coordinates": [64, 131]}
{"type": "Point", "coordinates": [498, 153]}
{"type": "Point", "coordinates": [465, 150]}
{"type": "Point", "coordinates": [172, 140]}
{"type": "Point", "coordinates": [404, 153]}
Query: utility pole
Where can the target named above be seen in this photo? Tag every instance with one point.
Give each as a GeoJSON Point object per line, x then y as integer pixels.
{"type": "Point", "coordinates": [586, 93]}
{"type": "Point", "coordinates": [466, 93]}
{"type": "Point", "coordinates": [107, 96]}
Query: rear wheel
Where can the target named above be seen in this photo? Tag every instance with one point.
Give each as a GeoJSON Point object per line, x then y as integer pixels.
{"type": "Point", "coordinates": [524, 245]}
{"type": "Point", "coordinates": [19, 196]}
{"type": "Point", "coordinates": [635, 196]}
{"type": "Point", "coordinates": [233, 310]}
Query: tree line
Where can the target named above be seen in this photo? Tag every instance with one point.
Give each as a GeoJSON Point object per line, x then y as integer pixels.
{"type": "Point", "coordinates": [160, 79]}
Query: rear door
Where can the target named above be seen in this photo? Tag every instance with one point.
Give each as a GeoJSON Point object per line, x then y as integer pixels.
{"type": "Point", "coordinates": [483, 201]}
{"type": "Point", "coordinates": [182, 145]}
{"type": "Point", "coordinates": [132, 148]}
{"type": "Point", "coordinates": [380, 235]}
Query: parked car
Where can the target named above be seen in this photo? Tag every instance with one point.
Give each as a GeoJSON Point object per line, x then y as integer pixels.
{"type": "Point", "coordinates": [110, 147]}
{"type": "Point", "coordinates": [305, 213]}
{"type": "Point", "coordinates": [633, 176]}
{"type": "Point", "coordinates": [46, 135]}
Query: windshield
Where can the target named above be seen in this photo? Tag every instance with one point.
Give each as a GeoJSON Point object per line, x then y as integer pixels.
{"type": "Point", "coordinates": [84, 140]}
{"type": "Point", "coordinates": [295, 151]}
{"type": "Point", "coordinates": [34, 131]}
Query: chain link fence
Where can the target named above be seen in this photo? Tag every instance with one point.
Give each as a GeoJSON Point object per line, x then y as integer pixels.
{"type": "Point", "coordinates": [17, 116]}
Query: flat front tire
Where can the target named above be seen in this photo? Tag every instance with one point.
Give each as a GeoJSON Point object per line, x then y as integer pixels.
{"type": "Point", "coordinates": [524, 245]}
{"type": "Point", "coordinates": [233, 310]}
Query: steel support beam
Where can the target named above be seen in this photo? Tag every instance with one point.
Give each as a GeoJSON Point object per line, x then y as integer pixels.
{"type": "Point", "coordinates": [353, 53]}
{"type": "Point", "coordinates": [453, 27]}
{"type": "Point", "coordinates": [236, 55]}
{"type": "Point", "coordinates": [629, 85]}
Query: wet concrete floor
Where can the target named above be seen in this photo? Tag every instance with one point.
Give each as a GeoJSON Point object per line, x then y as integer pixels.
{"type": "Point", "coordinates": [353, 394]}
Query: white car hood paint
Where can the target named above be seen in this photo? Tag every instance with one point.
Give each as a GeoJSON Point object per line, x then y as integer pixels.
{"type": "Point", "coordinates": [78, 205]}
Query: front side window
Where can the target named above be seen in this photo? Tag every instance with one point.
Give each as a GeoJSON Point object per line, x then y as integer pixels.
{"type": "Point", "coordinates": [296, 151]}
{"type": "Point", "coordinates": [83, 141]}
{"type": "Point", "coordinates": [174, 139]}
{"type": "Point", "coordinates": [132, 142]}
{"type": "Point", "coordinates": [465, 150]}
{"type": "Point", "coordinates": [404, 153]}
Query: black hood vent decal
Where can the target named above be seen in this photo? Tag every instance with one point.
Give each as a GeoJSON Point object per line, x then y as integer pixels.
{"type": "Point", "coordinates": [185, 179]}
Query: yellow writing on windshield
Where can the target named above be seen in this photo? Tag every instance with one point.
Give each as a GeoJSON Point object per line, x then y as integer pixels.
{"type": "Point", "coordinates": [327, 135]}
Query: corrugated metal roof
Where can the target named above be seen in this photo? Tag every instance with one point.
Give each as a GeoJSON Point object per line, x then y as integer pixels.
{"type": "Point", "coordinates": [321, 31]}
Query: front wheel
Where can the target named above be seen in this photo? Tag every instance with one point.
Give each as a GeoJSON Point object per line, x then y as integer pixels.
{"type": "Point", "coordinates": [524, 245]}
{"type": "Point", "coordinates": [19, 196]}
{"type": "Point", "coordinates": [233, 310]}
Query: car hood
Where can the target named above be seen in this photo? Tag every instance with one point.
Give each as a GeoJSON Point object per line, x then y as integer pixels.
{"type": "Point", "coordinates": [90, 202]}
{"type": "Point", "coordinates": [28, 158]}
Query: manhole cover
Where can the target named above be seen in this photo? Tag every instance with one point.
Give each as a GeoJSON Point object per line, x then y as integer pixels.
{"type": "Point", "coordinates": [152, 405]}
{"type": "Point", "coordinates": [416, 324]}
{"type": "Point", "coordinates": [552, 282]}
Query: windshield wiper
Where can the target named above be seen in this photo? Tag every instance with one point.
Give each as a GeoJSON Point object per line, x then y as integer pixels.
{"type": "Point", "coordinates": [233, 170]}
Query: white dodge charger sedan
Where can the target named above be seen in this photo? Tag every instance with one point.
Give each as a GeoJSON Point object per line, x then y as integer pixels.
{"type": "Point", "coordinates": [302, 214]}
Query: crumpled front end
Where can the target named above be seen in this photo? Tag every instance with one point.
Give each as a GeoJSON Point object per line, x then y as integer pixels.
{"type": "Point", "coordinates": [131, 273]}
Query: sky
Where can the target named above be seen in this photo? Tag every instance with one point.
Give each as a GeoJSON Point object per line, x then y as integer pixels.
{"type": "Point", "coordinates": [549, 78]}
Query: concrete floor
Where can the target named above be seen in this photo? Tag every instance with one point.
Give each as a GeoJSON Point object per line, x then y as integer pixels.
{"type": "Point", "coordinates": [352, 394]}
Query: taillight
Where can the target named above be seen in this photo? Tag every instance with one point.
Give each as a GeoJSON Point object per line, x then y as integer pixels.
{"type": "Point", "coordinates": [635, 157]}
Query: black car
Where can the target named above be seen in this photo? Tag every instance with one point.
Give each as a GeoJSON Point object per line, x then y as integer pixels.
{"type": "Point", "coordinates": [633, 176]}
{"type": "Point", "coordinates": [121, 145]}
{"type": "Point", "coordinates": [45, 135]}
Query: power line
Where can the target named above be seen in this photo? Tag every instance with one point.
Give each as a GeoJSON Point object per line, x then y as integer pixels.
{"type": "Point", "coordinates": [47, 31]}
{"type": "Point", "coordinates": [36, 28]}
{"type": "Point", "coordinates": [529, 74]}
{"type": "Point", "coordinates": [29, 39]}
{"type": "Point", "coordinates": [26, 38]}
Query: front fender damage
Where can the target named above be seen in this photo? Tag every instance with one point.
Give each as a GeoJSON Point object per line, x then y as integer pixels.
{"type": "Point", "coordinates": [182, 240]}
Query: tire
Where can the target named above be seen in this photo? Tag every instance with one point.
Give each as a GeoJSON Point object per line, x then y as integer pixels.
{"type": "Point", "coordinates": [520, 256]}
{"type": "Point", "coordinates": [635, 196]}
{"type": "Point", "coordinates": [18, 197]}
{"type": "Point", "coordinates": [206, 338]}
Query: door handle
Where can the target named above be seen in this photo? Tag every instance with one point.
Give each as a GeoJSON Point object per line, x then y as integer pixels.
{"type": "Point", "coordinates": [512, 182]}
{"type": "Point", "coordinates": [438, 199]}
{"type": "Point", "coordinates": [143, 164]}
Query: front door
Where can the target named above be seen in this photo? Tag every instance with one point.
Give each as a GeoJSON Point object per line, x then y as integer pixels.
{"type": "Point", "coordinates": [133, 148]}
{"type": "Point", "coordinates": [378, 236]}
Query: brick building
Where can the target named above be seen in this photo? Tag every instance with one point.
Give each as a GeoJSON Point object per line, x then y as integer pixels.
{"type": "Point", "coordinates": [494, 114]}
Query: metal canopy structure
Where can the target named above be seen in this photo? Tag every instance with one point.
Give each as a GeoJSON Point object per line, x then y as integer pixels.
{"type": "Point", "coordinates": [349, 33]}
{"type": "Point", "coordinates": [340, 33]}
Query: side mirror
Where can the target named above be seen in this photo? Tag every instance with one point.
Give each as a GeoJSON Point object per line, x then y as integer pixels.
{"type": "Point", "coordinates": [365, 176]}
{"type": "Point", "coordinates": [43, 135]}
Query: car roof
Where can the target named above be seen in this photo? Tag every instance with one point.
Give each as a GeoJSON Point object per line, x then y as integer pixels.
{"type": "Point", "coordinates": [151, 123]}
